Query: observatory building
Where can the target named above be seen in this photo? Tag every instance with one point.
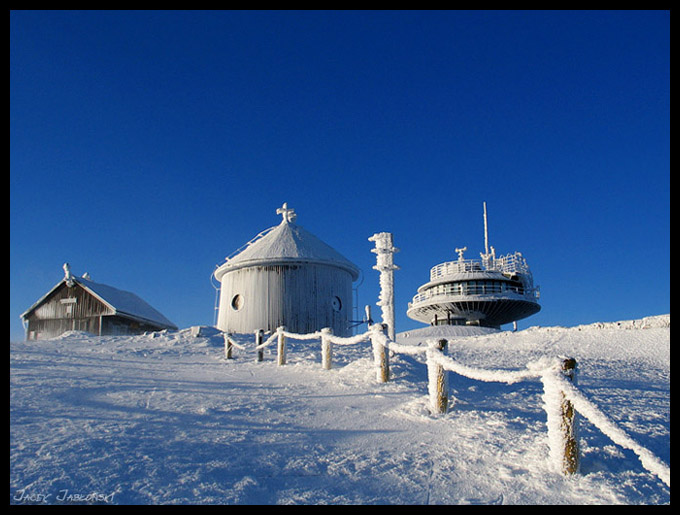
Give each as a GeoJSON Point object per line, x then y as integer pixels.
{"type": "Point", "coordinates": [487, 292]}
{"type": "Point", "coordinates": [288, 277]}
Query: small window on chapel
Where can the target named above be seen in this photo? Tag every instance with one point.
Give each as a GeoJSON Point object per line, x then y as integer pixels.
{"type": "Point", "coordinates": [237, 302]}
{"type": "Point", "coordinates": [336, 303]}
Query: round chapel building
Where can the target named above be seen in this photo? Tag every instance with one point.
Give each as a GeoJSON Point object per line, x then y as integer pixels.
{"type": "Point", "coordinates": [288, 277]}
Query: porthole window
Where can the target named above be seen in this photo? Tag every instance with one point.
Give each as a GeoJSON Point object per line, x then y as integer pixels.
{"type": "Point", "coordinates": [237, 302]}
{"type": "Point", "coordinates": [336, 303]}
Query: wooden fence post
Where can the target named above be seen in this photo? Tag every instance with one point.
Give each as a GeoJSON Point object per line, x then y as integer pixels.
{"type": "Point", "coordinates": [227, 345]}
{"type": "Point", "coordinates": [380, 355]}
{"type": "Point", "coordinates": [281, 347]}
{"type": "Point", "coordinates": [438, 382]}
{"type": "Point", "coordinates": [570, 463]}
{"type": "Point", "coordinates": [259, 339]}
{"type": "Point", "coordinates": [326, 350]}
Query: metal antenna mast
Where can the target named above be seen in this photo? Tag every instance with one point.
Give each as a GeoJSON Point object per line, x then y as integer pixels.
{"type": "Point", "coordinates": [486, 233]}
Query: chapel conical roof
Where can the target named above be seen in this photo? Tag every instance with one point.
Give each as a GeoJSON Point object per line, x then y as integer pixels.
{"type": "Point", "coordinates": [287, 243]}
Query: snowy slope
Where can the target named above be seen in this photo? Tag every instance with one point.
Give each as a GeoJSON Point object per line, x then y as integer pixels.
{"type": "Point", "coordinates": [164, 418]}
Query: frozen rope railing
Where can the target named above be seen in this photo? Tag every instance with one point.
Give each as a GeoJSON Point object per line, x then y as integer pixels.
{"type": "Point", "coordinates": [338, 340]}
{"type": "Point", "coordinates": [561, 397]}
{"type": "Point", "coordinates": [229, 344]}
{"type": "Point", "coordinates": [554, 382]}
{"type": "Point", "coordinates": [376, 334]}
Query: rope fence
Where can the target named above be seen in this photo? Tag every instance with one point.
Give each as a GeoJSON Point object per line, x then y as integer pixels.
{"type": "Point", "coordinates": [561, 398]}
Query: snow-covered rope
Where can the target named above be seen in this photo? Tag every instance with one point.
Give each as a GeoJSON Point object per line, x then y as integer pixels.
{"type": "Point", "coordinates": [337, 340]}
{"type": "Point", "coordinates": [411, 350]}
{"type": "Point", "coordinates": [586, 408]}
{"type": "Point", "coordinates": [351, 340]}
{"type": "Point", "coordinates": [237, 345]}
{"type": "Point", "coordinates": [534, 370]}
{"type": "Point", "coordinates": [296, 336]}
{"type": "Point", "coordinates": [548, 370]}
{"type": "Point", "coordinates": [268, 341]}
{"type": "Point", "coordinates": [556, 385]}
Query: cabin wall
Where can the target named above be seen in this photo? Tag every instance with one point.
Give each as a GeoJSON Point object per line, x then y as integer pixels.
{"type": "Point", "coordinates": [44, 329]}
{"type": "Point", "coordinates": [120, 325]}
{"type": "Point", "coordinates": [66, 309]}
{"type": "Point", "coordinates": [70, 302]}
{"type": "Point", "coordinates": [75, 309]}
{"type": "Point", "coordinates": [303, 297]}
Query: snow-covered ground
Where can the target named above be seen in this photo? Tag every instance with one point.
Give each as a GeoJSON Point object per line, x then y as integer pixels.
{"type": "Point", "coordinates": [165, 418]}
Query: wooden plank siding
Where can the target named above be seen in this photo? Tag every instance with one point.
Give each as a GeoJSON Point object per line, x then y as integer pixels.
{"type": "Point", "coordinates": [66, 309]}
{"type": "Point", "coordinates": [75, 309]}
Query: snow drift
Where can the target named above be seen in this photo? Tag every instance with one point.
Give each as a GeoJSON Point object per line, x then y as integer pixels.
{"type": "Point", "coordinates": [165, 418]}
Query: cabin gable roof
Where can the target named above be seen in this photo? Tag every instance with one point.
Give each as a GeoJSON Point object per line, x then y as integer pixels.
{"type": "Point", "coordinates": [120, 302]}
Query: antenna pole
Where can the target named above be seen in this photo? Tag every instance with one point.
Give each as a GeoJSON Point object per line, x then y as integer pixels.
{"type": "Point", "coordinates": [486, 233]}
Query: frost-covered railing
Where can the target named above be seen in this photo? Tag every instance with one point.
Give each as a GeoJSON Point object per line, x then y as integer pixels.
{"type": "Point", "coordinates": [561, 397]}
{"type": "Point", "coordinates": [245, 246]}
{"type": "Point", "coordinates": [508, 264]}
{"type": "Point", "coordinates": [462, 289]}
{"type": "Point", "coordinates": [376, 334]}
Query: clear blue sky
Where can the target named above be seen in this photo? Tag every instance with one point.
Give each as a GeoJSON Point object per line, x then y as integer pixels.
{"type": "Point", "coordinates": [147, 146]}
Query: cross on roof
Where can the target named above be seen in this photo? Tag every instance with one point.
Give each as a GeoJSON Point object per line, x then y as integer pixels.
{"type": "Point", "coordinates": [287, 214]}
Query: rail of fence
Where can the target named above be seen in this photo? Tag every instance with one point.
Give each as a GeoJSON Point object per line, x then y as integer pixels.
{"type": "Point", "coordinates": [561, 397]}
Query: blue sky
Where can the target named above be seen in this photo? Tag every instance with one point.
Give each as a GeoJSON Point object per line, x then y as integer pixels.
{"type": "Point", "coordinates": [147, 146]}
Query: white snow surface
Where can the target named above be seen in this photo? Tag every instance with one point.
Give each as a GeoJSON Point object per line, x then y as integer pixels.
{"type": "Point", "coordinates": [164, 418]}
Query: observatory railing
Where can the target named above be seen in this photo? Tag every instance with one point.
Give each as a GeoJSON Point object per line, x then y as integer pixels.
{"type": "Point", "coordinates": [482, 287]}
{"type": "Point", "coordinates": [508, 264]}
{"type": "Point", "coordinates": [561, 398]}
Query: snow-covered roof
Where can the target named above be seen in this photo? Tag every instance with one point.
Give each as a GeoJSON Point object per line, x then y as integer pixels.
{"type": "Point", "coordinates": [119, 301]}
{"type": "Point", "coordinates": [287, 243]}
{"type": "Point", "coordinates": [125, 302]}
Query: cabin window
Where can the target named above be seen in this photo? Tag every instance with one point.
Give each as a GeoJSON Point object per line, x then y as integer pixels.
{"type": "Point", "coordinates": [337, 304]}
{"type": "Point", "coordinates": [237, 302]}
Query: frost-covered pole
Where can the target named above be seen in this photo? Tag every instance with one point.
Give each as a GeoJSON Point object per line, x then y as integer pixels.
{"type": "Point", "coordinates": [437, 378]}
{"type": "Point", "coordinates": [259, 339]}
{"type": "Point", "coordinates": [571, 447]}
{"type": "Point", "coordinates": [281, 346]}
{"type": "Point", "coordinates": [380, 355]}
{"type": "Point", "coordinates": [326, 352]}
{"type": "Point", "coordinates": [385, 251]}
{"type": "Point", "coordinates": [561, 419]}
{"type": "Point", "coordinates": [227, 345]}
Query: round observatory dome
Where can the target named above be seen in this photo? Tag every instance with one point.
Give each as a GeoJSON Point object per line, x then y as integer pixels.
{"type": "Point", "coordinates": [286, 276]}
{"type": "Point", "coordinates": [487, 292]}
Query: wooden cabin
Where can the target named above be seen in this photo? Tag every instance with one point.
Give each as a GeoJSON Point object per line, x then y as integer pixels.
{"type": "Point", "coordinates": [80, 304]}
